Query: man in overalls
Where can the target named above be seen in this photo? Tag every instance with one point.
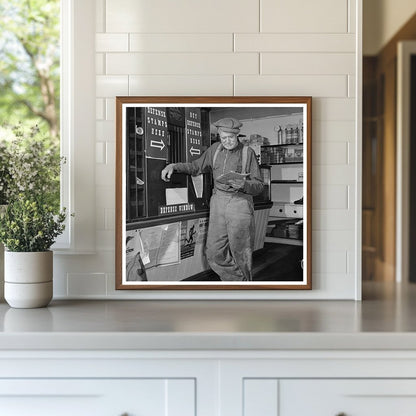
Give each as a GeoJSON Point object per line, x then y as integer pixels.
{"type": "Point", "coordinates": [230, 239]}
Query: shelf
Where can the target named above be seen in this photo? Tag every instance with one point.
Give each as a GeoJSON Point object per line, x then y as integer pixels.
{"type": "Point", "coordinates": [284, 163]}
{"type": "Point", "coordinates": [289, 241]}
{"type": "Point", "coordinates": [275, 220]}
{"type": "Point", "coordinates": [294, 182]}
{"type": "Point", "coordinates": [283, 145]}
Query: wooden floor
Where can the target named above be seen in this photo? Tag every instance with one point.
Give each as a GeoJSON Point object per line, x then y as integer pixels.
{"type": "Point", "coordinates": [278, 262]}
{"type": "Point", "coordinates": [274, 262]}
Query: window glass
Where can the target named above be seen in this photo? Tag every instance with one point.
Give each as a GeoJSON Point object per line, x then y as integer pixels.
{"type": "Point", "coordinates": [30, 73]}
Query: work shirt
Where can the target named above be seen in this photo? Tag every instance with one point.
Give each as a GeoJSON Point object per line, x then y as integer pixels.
{"type": "Point", "coordinates": [226, 161]}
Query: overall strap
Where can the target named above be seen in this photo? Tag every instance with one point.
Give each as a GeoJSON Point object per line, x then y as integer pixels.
{"type": "Point", "coordinates": [244, 160]}
{"type": "Point", "coordinates": [217, 150]}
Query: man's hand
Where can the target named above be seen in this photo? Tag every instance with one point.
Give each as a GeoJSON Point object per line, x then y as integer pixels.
{"type": "Point", "coordinates": [237, 184]}
{"type": "Point", "coordinates": [167, 172]}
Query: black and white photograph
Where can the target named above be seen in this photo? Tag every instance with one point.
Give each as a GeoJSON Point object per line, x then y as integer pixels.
{"type": "Point", "coordinates": [213, 193]}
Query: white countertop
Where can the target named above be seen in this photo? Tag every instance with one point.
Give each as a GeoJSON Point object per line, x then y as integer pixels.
{"type": "Point", "coordinates": [384, 320]}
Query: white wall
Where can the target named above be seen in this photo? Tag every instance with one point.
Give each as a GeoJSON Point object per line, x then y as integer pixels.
{"type": "Point", "coordinates": [234, 47]}
{"type": "Point", "coordinates": [381, 20]}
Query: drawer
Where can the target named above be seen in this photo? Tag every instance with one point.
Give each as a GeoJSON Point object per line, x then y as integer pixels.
{"type": "Point", "coordinates": [104, 397]}
{"type": "Point", "coordinates": [347, 397]}
{"type": "Point", "coordinates": [281, 209]}
{"type": "Point", "coordinates": [278, 210]}
{"type": "Point", "coordinates": [294, 211]}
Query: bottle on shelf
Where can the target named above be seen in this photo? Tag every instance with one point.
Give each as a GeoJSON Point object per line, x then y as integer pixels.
{"type": "Point", "coordinates": [279, 133]}
{"type": "Point", "coordinates": [288, 135]}
{"type": "Point", "coordinates": [301, 131]}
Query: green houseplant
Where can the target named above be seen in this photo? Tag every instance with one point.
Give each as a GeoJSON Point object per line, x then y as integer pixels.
{"type": "Point", "coordinates": [32, 220]}
{"type": "Point", "coordinates": [30, 225]}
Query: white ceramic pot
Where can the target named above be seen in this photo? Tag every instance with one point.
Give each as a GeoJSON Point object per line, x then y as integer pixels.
{"type": "Point", "coordinates": [28, 279]}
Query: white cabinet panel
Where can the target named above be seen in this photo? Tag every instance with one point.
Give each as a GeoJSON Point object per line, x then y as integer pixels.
{"type": "Point", "coordinates": [86, 397]}
{"type": "Point", "coordinates": [260, 397]}
{"type": "Point", "coordinates": [349, 397]}
{"type": "Point", "coordinates": [180, 397]}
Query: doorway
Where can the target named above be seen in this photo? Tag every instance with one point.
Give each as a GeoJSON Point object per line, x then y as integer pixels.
{"type": "Point", "coordinates": [406, 152]}
{"type": "Point", "coordinates": [386, 162]}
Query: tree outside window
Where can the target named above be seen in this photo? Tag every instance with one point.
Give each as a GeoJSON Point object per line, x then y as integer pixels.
{"type": "Point", "coordinates": [30, 69]}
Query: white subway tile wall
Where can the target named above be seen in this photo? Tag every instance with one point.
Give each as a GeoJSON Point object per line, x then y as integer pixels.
{"type": "Point", "coordinates": [283, 42]}
{"type": "Point", "coordinates": [182, 63]}
{"type": "Point", "coordinates": [181, 85]}
{"type": "Point", "coordinates": [317, 63]}
{"type": "Point", "coordinates": [182, 16]}
{"type": "Point", "coordinates": [180, 42]}
{"type": "Point", "coordinates": [314, 85]}
{"type": "Point", "coordinates": [300, 16]}
{"type": "Point", "coordinates": [225, 48]}
{"type": "Point", "coordinates": [86, 284]}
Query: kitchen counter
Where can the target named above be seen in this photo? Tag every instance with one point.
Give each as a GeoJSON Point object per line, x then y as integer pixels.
{"type": "Point", "coordinates": [383, 320]}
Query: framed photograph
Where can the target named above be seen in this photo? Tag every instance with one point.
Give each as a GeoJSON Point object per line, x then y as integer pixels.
{"type": "Point", "coordinates": [213, 193]}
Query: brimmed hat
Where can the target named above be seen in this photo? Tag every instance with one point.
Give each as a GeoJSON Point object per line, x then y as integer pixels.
{"type": "Point", "coordinates": [228, 125]}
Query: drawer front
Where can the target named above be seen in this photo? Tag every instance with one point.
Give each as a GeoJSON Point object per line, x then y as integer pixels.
{"type": "Point", "coordinates": [86, 397]}
{"type": "Point", "coordinates": [347, 397]}
{"type": "Point", "coordinates": [293, 211]}
{"type": "Point", "coordinates": [278, 210]}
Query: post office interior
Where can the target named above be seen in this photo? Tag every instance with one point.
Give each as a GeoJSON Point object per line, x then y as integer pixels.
{"type": "Point", "coordinates": [275, 134]}
{"type": "Point", "coordinates": [344, 347]}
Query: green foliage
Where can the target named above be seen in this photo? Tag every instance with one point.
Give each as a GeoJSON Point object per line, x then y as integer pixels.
{"type": "Point", "coordinates": [30, 165]}
{"type": "Point", "coordinates": [5, 176]}
{"type": "Point", "coordinates": [29, 224]}
{"type": "Point", "coordinates": [30, 63]}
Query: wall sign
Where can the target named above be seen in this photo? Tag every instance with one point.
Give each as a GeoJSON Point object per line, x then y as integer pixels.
{"type": "Point", "coordinates": [156, 127]}
{"type": "Point", "coordinates": [193, 133]}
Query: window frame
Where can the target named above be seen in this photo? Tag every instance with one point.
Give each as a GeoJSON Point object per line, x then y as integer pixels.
{"type": "Point", "coordinates": [78, 126]}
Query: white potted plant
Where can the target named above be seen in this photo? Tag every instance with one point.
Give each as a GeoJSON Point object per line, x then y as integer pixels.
{"type": "Point", "coordinates": [32, 220]}
{"type": "Point", "coordinates": [28, 229]}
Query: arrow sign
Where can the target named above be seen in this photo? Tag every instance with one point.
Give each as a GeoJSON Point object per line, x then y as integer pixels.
{"type": "Point", "coordinates": [156, 132]}
{"type": "Point", "coordinates": [194, 141]}
{"type": "Point", "coordinates": [193, 151]}
{"type": "Point", "coordinates": [160, 145]}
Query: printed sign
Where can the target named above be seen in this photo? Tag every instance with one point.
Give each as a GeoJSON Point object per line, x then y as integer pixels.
{"type": "Point", "coordinates": [156, 133]}
{"type": "Point", "coordinates": [176, 209]}
{"type": "Point", "coordinates": [193, 133]}
{"type": "Point", "coordinates": [189, 236]}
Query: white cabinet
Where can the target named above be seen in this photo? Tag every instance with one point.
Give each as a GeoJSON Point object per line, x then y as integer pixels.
{"type": "Point", "coordinates": [208, 383]}
{"type": "Point", "coordinates": [347, 397]}
{"type": "Point", "coordinates": [320, 383]}
{"type": "Point", "coordinates": [86, 397]}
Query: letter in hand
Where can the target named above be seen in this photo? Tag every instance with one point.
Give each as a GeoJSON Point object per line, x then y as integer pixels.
{"type": "Point", "coordinates": [237, 183]}
{"type": "Point", "coordinates": [167, 172]}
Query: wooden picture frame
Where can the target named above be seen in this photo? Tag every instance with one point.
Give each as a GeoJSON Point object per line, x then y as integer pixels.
{"type": "Point", "coordinates": [161, 227]}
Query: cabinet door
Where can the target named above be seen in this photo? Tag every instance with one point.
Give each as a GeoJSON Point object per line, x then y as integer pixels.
{"type": "Point", "coordinates": [347, 397]}
{"type": "Point", "coordinates": [86, 397]}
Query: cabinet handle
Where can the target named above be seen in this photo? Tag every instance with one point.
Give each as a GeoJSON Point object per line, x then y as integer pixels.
{"type": "Point", "coordinates": [341, 414]}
